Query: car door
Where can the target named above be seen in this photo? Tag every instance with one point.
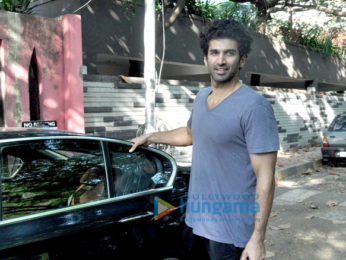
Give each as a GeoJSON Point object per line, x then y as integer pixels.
{"type": "Point", "coordinates": [139, 177]}
{"type": "Point", "coordinates": [80, 195]}
{"type": "Point", "coordinates": [50, 187]}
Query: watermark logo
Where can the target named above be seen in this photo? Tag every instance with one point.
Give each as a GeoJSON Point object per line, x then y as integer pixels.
{"type": "Point", "coordinates": [214, 207]}
{"type": "Point", "coordinates": [219, 203]}
{"type": "Point", "coordinates": [162, 208]}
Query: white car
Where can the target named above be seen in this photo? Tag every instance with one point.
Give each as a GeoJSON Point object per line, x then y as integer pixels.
{"type": "Point", "coordinates": [334, 141]}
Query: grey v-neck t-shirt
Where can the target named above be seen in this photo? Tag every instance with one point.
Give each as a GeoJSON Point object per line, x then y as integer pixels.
{"type": "Point", "coordinates": [222, 202]}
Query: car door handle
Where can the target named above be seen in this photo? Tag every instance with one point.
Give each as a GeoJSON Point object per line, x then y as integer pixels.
{"type": "Point", "coordinates": [136, 216]}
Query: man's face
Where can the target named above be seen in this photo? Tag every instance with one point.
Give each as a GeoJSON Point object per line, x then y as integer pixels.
{"type": "Point", "coordinates": [223, 60]}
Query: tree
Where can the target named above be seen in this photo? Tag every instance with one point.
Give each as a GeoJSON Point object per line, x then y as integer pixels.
{"type": "Point", "coordinates": [19, 6]}
{"type": "Point", "coordinates": [170, 20]}
{"type": "Point", "coordinates": [256, 14]}
{"type": "Point", "coordinates": [177, 7]}
{"type": "Point", "coordinates": [267, 7]}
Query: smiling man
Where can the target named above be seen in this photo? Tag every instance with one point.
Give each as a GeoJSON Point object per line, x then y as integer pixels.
{"type": "Point", "coordinates": [235, 143]}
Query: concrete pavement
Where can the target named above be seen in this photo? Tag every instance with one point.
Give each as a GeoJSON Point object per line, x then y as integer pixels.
{"type": "Point", "coordinates": [308, 219]}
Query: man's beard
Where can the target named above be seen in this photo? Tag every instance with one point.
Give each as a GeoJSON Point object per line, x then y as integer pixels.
{"type": "Point", "coordinates": [227, 77]}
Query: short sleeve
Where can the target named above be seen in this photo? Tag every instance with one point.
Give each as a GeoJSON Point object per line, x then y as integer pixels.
{"type": "Point", "coordinates": [189, 122]}
{"type": "Point", "coordinates": [260, 129]}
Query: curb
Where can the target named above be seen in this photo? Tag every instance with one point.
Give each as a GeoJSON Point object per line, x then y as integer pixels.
{"type": "Point", "coordinates": [296, 169]}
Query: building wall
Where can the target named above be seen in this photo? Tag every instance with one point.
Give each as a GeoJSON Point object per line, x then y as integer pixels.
{"type": "Point", "coordinates": [303, 118]}
{"type": "Point", "coordinates": [58, 48]}
{"type": "Point", "coordinates": [117, 110]}
{"type": "Point", "coordinates": [111, 33]}
{"type": "Point", "coordinates": [270, 56]}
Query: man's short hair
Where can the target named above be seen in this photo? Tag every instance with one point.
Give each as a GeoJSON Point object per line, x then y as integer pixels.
{"type": "Point", "coordinates": [226, 29]}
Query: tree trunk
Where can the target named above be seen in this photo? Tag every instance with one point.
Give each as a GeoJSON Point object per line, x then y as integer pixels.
{"type": "Point", "coordinates": [262, 27]}
{"type": "Point", "coordinates": [170, 20]}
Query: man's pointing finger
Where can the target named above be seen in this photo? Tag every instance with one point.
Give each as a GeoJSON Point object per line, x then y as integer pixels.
{"type": "Point", "coordinates": [134, 146]}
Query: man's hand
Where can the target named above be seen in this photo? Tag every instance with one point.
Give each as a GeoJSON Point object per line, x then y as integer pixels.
{"type": "Point", "coordinates": [141, 140]}
{"type": "Point", "coordinates": [178, 137]}
{"type": "Point", "coordinates": [254, 250]}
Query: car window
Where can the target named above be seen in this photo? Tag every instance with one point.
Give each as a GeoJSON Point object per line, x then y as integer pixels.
{"type": "Point", "coordinates": [13, 166]}
{"type": "Point", "coordinates": [138, 171]}
{"type": "Point", "coordinates": [44, 175]}
{"type": "Point", "coordinates": [339, 124]}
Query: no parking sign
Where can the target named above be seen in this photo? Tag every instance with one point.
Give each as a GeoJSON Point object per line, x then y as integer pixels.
{"type": "Point", "coordinates": [40, 124]}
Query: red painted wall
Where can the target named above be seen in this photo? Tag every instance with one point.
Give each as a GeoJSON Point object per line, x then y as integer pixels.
{"type": "Point", "coordinates": [58, 47]}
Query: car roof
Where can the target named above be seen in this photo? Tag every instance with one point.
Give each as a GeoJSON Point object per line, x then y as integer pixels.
{"type": "Point", "coordinates": [18, 132]}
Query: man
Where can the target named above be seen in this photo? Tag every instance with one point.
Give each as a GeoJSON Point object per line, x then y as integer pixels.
{"type": "Point", "coordinates": [235, 144]}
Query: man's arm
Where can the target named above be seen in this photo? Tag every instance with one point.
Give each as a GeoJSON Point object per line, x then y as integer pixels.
{"type": "Point", "coordinates": [178, 137]}
{"type": "Point", "coordinates": [264, 168]}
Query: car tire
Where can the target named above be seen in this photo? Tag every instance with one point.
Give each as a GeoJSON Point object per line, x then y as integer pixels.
{"type": "Point", "coordinates": [335, 163]}
{"type": "Point", "coordinates": [329, 162]}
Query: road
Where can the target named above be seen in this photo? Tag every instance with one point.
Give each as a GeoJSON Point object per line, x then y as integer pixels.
{"type": "Point", "coordinates": [302, 225]}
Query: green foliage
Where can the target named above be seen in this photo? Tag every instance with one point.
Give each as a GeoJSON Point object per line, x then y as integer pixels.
{"type": "Point", "coordinates": [316, 40]}
{"type": "Point", "coordinates": [130, 7]}
{"type": "Point", "coordinates": [16, 6]}
{"type": "Point", "coordinates": [246, 15]}
{"type": "Point", "coordinates": [314, 37]}
{"type": "Point", "coordinates": [206, 10]}
{"type": "Point", "coordinates": [209, 10]}
{"type": "Point", "coordinates": [158, 4]}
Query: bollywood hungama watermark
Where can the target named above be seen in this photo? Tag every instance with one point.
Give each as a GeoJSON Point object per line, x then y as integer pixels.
{"type": "Point", "coordinates": [216, 207]}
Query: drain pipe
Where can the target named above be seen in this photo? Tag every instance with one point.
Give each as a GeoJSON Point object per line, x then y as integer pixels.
{"type": "Point", "coordinates": [149, 65]}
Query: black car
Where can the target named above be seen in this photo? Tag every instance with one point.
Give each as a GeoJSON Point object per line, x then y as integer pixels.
{"type": "Point", "coordinates": [73, 196]}
{"type": "Point", "coordinates": [334, 141]}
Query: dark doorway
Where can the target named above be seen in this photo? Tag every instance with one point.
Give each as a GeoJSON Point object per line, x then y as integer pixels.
{"type": "Point", "coordinates": [255, 80]}
{"type": "Point", "coordinates": [136, 68]}
{"type": "Point", "coordinates": [34, 94]}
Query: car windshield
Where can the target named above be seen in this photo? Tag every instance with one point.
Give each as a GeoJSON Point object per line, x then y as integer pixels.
{"type": "Point", "coordinates": [339, 124]}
